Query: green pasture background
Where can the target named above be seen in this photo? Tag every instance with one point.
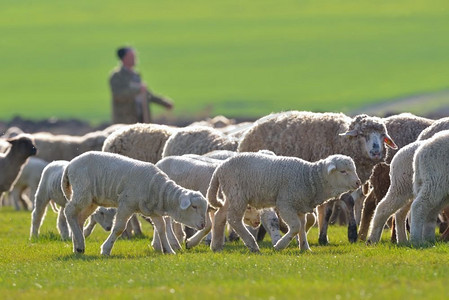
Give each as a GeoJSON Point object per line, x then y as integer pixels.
{"type": "Point", "coordinates": [237, 58]}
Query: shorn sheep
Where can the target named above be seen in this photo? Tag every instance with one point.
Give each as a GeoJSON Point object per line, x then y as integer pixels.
{"type": "Point", "coordinates": [11, 162]}
{"type": "Point", "coordinates": [430, 186]}
{"type": "Point", "coordinates": [198, 140]}
{"type": "Point", "coordinates": [49, 189]}
{"type": "Point", "coordinates": [314, 136]}
{"type": "Point", "coordinates": [111, 180]}
{"type": "Point", "coordinates": [294, 186]}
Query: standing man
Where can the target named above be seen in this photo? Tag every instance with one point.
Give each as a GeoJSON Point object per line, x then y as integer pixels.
{"type": "Point", "coordinates": [130, 96]}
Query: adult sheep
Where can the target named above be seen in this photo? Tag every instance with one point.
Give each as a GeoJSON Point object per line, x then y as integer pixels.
{"type": "Point", "coordinates": [404, 129]}
{"type": "Point", "coordinates": [313, 136]}
{"type": "Point", "coordinates": [293, 185]}
{"type": "Point", "coordinates": [430, 186]}
{"type": "Point", "coordinates": [198, 140]}
{"type": "Point", "coordinates": [139, 141]}
{"type": "Point", "coordinates": [12, 162]}
{"type": "Point", "coordinates": [133, 186]}
{"type": "Point", "coordinates": [66, 147]}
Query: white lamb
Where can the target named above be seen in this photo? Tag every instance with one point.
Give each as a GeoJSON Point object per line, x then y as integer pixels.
{"type": "Point", "coordinates": [133, 186]}
{"type": "Point", "coordinates": [194, 172]}
{"type": "Point", "coordinates": [430, 186]}
{"type": "Point", "coordinates": [49, 188]}
{"type": "Point", "coordinates": [103, 216]}
{"type": "Point", "coordinates": [293, 185]}
{"type": "Point", "coordinates": [28, 179]}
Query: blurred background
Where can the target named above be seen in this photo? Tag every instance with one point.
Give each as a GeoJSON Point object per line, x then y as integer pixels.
{"type": "Point", "coordinates": [241, 59]}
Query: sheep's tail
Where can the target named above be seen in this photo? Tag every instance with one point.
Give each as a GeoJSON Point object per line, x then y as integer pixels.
{"type": "Point", "coordinates": [212, 191]}
{"type": "Point", "coordinates": [65, 184]}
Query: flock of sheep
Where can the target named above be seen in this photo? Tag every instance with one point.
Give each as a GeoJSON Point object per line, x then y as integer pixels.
{"type": "Point", "coordinates": [280, 173]}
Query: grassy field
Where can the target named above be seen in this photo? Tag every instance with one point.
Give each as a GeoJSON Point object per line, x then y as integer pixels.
{"type": "Point", "coordinates": [48, 269]}
{"type": "Point", "coordinates": [238, 58]}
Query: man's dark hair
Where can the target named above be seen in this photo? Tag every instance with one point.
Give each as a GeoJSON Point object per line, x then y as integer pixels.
{"type": "Point", "coordinates": [121, 52]}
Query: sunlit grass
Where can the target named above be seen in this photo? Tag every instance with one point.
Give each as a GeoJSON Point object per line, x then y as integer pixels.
{"type": "Point", "coordinates": [47, 268]}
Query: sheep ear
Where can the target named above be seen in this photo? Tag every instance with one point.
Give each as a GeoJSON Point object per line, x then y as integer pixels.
{"type": "Point", "coordinates": [331, 167]}
{"type": "Point", "coordinates": [185, 202]}
{"type": "Point", "coordinates": [352, 133]}
{"type": "Point", "coordinates": [390, 143]}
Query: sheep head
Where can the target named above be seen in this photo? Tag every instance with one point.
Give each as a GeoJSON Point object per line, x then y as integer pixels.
{"type": "Point", "coordinates": [372, 136]}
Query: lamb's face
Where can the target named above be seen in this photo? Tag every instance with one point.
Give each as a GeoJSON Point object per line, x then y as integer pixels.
{"type": "Point", "coordinates": [105, 217]}
{"type": "Point", "coordinates": [252, 216]}
{"type": "Point", "coordinates": [192, 210]}
{"type": "Point", "coordinates": [342, 175]}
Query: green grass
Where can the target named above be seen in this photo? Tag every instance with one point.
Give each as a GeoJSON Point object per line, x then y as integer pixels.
{"type": "Point", "coordinates": [238, 58]}
{"type": "Point", "coordinates": [48, 269]}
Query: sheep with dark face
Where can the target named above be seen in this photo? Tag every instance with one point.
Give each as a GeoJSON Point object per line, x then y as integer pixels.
{"type": "Point", "coordinates": [12, 162]}
{"type": "Point", "coordinates": [313, 136]}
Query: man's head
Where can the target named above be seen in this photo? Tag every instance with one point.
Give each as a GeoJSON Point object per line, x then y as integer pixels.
{"type": "Point", "coordinates": [128, 56]}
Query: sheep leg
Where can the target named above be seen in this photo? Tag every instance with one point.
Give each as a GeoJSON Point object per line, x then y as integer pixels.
{"type": "Point", "coordinates": [352, 225]}
{"type": "Point", "coordinates": [121, 219]}
{"type": "Point", "coordinates": [431, 220]}
{"type": "Point", "coordinates": [303, 243]}
{"type": "Point", "coordinates": [218, 228]}
{"type": "Point", "coordinates": [199, 235]}
{"type": "Point", "coordinates": [400, 218]}
{"type": "Point", "coordinates": [174, 243]}
{"type": "Point", "coordinates": [16, 195]}
{"type": "Point", "coordinates": [156, 242]}
{"type": "Point", "coordinates": [369, 205]}
{"type": "Point", "coordinates": [324, 214]}
{"type": "Point", "coordinates": [359, 200]}
{"type": "Point", "coordinates": [178, 231]}
{"type": "Point", "coordinates": [71, 212]}
{"type": "Point", "coordinates": [270, 222]}
{"type": "Point", "coordinates": [135, 224]}
{"type": "Point", "coordinates": [235, 219]}
{"type": "Point", "coordinates": [386, 207]}
{"type": "Point", "coordinates": [90, 226]}
{"type": "Point", "coordinates": [159, 223]}
{"type": "Point", "coordinates": [418, 214]}
{"type": "Point", "coordinates": [38, 214]}
{"type": "Point", "coordinates": [294, 224]}
{"type": "Point", "coordinates": [62, 225]}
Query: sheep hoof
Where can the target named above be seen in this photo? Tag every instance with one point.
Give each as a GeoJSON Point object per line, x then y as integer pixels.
{"type": "Point", "coordinates": [323, 240]}
{"type": "Point", "coordinates": [79, 250]}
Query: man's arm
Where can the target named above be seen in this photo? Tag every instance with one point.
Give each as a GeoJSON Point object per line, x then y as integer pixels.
{"type": "Point", "coordinates": [159, 100]}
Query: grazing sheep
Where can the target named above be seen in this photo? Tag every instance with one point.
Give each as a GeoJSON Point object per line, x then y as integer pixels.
{"type": "Point", "coordinates": [49, 188]}
{"type": "Point", "coordinates": [215, 122]}
{"type": "Point", "coordinates": [197, 140]}
{"type": "Point", "coordinates": [133, 186]}
{"type": "Point", "coordinates": [314, 136]}
{"type": "Point", "coordinates": [103, 216]}
{"type": "Point", "coordinates": [12, 162]}
{"type": "Point", "coordinates": [194, 172]}
{"type": "Point", "coordinates": [293, 185]}
{"type": "Point", "coordinates": [12, 132]}
{"type": "Point", "coordinates": [66, 147]}
{"type": "Point", "coordinates": [28, 178]}
{"type": "Point", "coordinates": [139, 141]}
{"type": "Point", "coordinates": [430, 186]}
{"type": "Point", "coordinates": [437, 126]}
